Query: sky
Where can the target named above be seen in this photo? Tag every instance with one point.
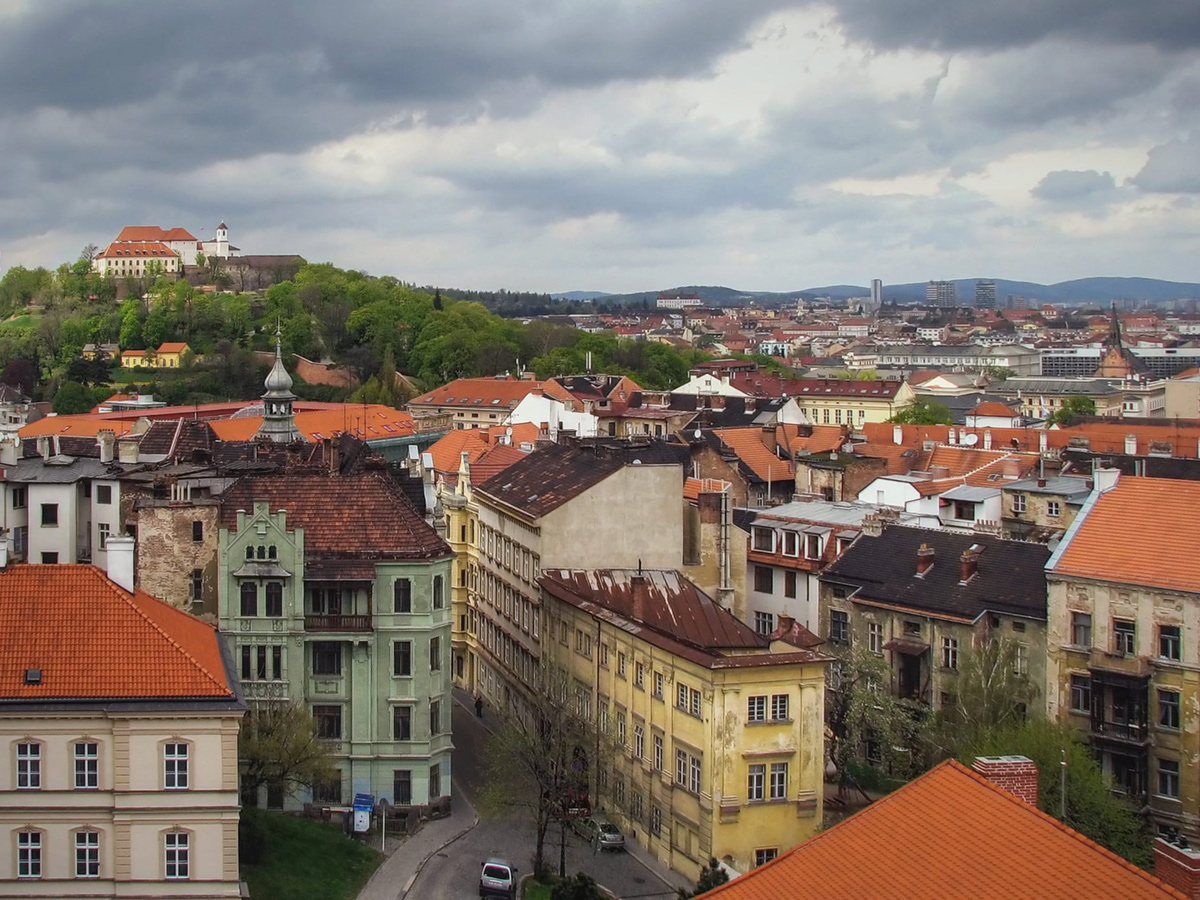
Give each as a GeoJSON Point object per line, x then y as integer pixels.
{"type": "Point", "coordinates": [614, 145]}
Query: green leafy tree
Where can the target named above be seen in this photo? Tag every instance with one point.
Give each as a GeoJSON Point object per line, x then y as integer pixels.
{"type": "Point", "coordinates": [577, 887]}
{"type": "Point", "coordinates": [278, 745]}
{"type": "Point", "coordinates": [993, 691]}
{"type": "Point", "coordinates": [72, 398]}
{"type": "Point", "coordinates": [922, 411]}
{"type": "Point", "coordinates": [1075, 405]}
{"type": "Point", "coordinates": [711, 876]}
{"type": "Point", "coordinates": [383, 387]}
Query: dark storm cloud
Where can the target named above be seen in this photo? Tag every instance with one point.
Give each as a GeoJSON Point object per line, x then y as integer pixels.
{"type": "Point", "coordinates": [998, 24]}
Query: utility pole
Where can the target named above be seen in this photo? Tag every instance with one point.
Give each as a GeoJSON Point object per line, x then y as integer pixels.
{"type": "Point", "coordinates": [1062, 802]}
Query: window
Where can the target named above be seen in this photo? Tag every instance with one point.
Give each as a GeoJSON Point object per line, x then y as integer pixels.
{"type": "Point", "coordinates": [839, 626]}
{"type": "Point", "coordinates": [275, 598]}
{"type": "Point", "coordinates": [620, 665]}
{"type": "Point", "coordinates": [1081, 629]}
{"type": "Point", "coordinates": [764, 579]}
{"type": "Point", "coordinates": [175, 767]}
{"type": "Point", "coordinates": [1018, 505]}
{"type": "Point", "coordinates": [327, 658]}
{"type": "Point", "coordinates": [1168, 710]}
{"type": "Point", "coordinates": [1169, 642]}
{"type": "Point", "coordinates": [435, 782]}
{"type": "Point", "coordinates": [1081, 694]}
{"type": "Point", "coordinates": [1053, 509]}
{"type": "Point", "coordinates": [249, 598]}
{"type": "Point", "coordinates": [763, 539]}
{"type": "Point", "coordinates": [812, 546]}
{"type": "Point", "coordinates": [103, 531]}
{"type": "Point", "coordinates": [1168, 777]}
{"type": "Point", "coordinates": [177, 857]}
{"type": "Point", "coordinates": [658, 753]}
{"type": "Point", "coordinates": [658, 685]}
{"type": "Point", "coordinates": [912, 629]}
{"type": "Point", "coordinates": [791, 543]}
{"type": "Point", "coordinates": [329, 722]}
{"type": "Point", "coordinates": [1021, 662]}
{"type": "Point", "coordinates": [328, 791]}
{"type": "Point", "coordinates": [621, 727]}
{"type": "Point", "coordinates": [29, 854]}
{"type": "Point", "coordinates": [402, 787]}
{"type": "Point", "coordinates": [50, 559]}
{"type": "Point", "coordinates": [779, 707]}
{"type": "Point", "coordinates": [779, 773]}
{"type": "Point", "coordinates": [439, 598]}
{"type": "Point", "coordinates": [197, 531]}
{"type": "Point", "coordinates": [655, 821]}
{"type": "Point", "coordinates": [197, 585]}
{"type": "Point", "coordinates": [694, 783]}
{"type": "Point", "coordinates": [20, 540]}
{"type": "Point", "coordinates": [639, 676]}
{"type": "Point", "coordinates": [681, 767]}
{"type": "Point", "coordinates": [789, 583]}
{"type": "Point", "coordinates": [402, 659]}
{"type": "Point", "coordinates": [756, 709]}
{"type": "Point", "coordinates": [766, 854]}
{"type": "Point", "coordinates": [964, 509]}
{"type": "Point", "coordinates": [435, 717]}
{"type": "Point", "coordinates": [87, 854]}
{"type": "Point", "coordinates": [875, 638]}
{"type": "Point", "coordinates": [1124, 637]}
{"type": "Point", "coordinates": [87, 765]}
{"type": "Point", "coordinates": [19, 495]}
{"type": "Point", "coordinates": [402, 595]}
{"type": "Point", "coordinates": [949, 653]}
{"type": "Point", "coordinates": [29, 766]}
{"type": "Point", "coordinates": [49, 515]}
{"type": "Point", "coordinates": [603, 653]}
{"type": "Point", "coordinates": [764, 622]}
{"type": "Point", "coordinates": [756, 782]}
{"type": "Point", "coordinates": [435, 654]}
{"type": "Point", "coordinates": [639, 740]}
{"type": "Point", "coordinates": [402, 723]}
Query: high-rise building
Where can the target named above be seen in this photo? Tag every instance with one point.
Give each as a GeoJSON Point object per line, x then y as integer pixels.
{"type": "Point", "coordinates": [985, 295]}
{"type": "Point", "coordinates": [876, 292]}
{"type": "Point", "coordinates": [940, 293]}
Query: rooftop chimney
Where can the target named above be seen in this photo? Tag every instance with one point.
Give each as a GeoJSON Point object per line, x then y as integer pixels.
{"type": "Point", "coordinates": [987, 439]}
{"type": "Point", "coordinates": [43, 446]}
{"type": "Point", "coordinates": [10, 450]}
{"type": "Point", "coordinates": [925, 555]}
{"type": "Point", "coordinates": [108, 442]}
{"type": "Point", "coordinates": [1131, 445]}
{"type": "Point", "coordinates": [1105, 478]}
{"type": "Point", "coordinates": [1043, 441]}
{"type": "Point", "coordinates": [897, 434]}
{"type": "Point", "coordinates": [969, 563]}
{"type": "Point", "coordinates": [1016, 774]}
{"type": "Point", "coordinates": [120, 561]}
{"type": "Point", "coordinates": [639, 591]}
{"type": "Point", "coordinates": [1178, 864]}
{"type": "Point", "coordinates": [127, 451]}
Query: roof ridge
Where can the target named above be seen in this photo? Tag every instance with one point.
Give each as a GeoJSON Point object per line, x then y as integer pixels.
{"type": "Point", "coordinates": [131, 598]}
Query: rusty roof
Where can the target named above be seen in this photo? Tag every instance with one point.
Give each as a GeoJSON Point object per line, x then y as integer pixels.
{"type": "Point", "coordinates": [549, 477]}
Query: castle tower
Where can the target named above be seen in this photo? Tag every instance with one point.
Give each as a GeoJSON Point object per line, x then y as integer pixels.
{"type": "Point", "coordinates": [279, 421]}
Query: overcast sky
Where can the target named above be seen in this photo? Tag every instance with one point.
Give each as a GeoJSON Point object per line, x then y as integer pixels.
{"type": "Point", "coordinates": [615, 145]}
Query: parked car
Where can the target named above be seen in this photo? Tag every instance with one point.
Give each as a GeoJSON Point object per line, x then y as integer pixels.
{"type": "Point", "coordinates": [498, 878]}
{"type": "Point", "coordinates": [600, 832]}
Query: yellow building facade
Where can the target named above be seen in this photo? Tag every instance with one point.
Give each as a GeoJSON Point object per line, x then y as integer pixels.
{"type": "Point", "coordinates": [716, 733]}
{"type": "Point", "coordinates": [462, 531]}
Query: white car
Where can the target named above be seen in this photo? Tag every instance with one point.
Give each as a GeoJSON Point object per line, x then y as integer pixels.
{"type": "Point", "coordinates": [498, 879]}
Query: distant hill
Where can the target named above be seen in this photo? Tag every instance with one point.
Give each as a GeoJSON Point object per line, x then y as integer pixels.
{"type": "Point", "coordinates": [1081, 290]}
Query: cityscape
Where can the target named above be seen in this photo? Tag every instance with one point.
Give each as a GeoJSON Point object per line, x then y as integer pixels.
{"type": "Point", "coordinates": [596, 452]}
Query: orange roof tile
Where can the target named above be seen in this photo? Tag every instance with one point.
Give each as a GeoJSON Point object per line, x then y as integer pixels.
{"type": "Point", "coordinates": [493, 393]}
{"type": "Point", "coordinates": [1143, 531]}
{"type": "Point", "coordinates": [694, 487]}
{"type": "Point", "coordinates": [493, 461]}
{"type": "Point", "coordinates": [141, 233]}
{"type": "Point", "coordinates": [371, 422]}
{"type": "Point", "coordinates": [949, 833]}
{"type": "Point", "coordinates": [993, 408]}
{"type": "Point", "coordinates": [822, 439]}
{"type": "Point", "coordinates": [172, 347]}
{"type": "Point", "coordinates": [747, 444]}
{"type": "Point", "coordinates": [900, 459]}
{"type": "Point", "coordinates": [447, 451]}
{"type": "Point", "coordinates": [93, 639]}
{"type": "Point", "coordinates": [83, 425]}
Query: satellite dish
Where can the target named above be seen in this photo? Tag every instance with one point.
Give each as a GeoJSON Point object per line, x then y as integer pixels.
{"type": "Point", "coordinates": [698, 435]}
{"type": "Point", "coordinates": [971, 440]}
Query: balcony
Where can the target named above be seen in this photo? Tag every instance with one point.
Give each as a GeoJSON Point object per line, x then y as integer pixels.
{"type": "Point", "coordinates": [1124, 731]}
{"type": "Point", "coordinates": [1130, 667]}
{"type": "Point", "coordinates": [337, 623]}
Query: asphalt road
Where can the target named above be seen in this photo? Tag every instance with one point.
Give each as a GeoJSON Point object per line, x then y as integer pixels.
{"type": "Point", "coordinates": [453, 874]}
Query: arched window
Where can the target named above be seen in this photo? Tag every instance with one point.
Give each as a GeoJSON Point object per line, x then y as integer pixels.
{"type": "Point", "coordinates": [271, 554]}
{"type": "Point", "coordinates": [249, 598]}
{"type": "Point", "coordinates": [262, 552]}
{"type": "Point", "coordinates": [249, 553]}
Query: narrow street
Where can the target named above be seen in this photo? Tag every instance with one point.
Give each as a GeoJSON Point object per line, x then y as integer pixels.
{"type": "Point", "coordinates": [453, 873]}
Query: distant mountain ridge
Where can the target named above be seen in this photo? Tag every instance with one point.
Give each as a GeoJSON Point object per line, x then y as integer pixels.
{"type": "Point", "coordinates": [1081, 290]}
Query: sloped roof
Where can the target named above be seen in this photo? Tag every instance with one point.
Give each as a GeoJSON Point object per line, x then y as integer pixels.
{"type": "Point", "coordinates": [172, 347]}
{"type": "Point", "coordinates": [345, 514]}
{"type": "Point", "coordinates": [1143, 531]}
{"type": "Point", "coordinates": [447, 450]}
{"type": "Point", "coordinates": [92, 639]}
{"type": "Point", "coordinates": [757, 458]}
{"type": "Point", "coordinates": [549, 477]}
{"type": "Point", "coordinates": [502, 394]}
{"type": "Point", "coordinates": [495, 460]}
{"type": "Point", "coordinates": [140, 250]}
{"type": "Point", "coordinates": [993, 408]}
{"type": "Point", "coordinates": [141, 233]}
{"type": "Point", "coordinates": [950, 833]}
{"type": "Point", "coordinates": [694, 487]}
{"type": "Point", "coordinates": [1009, 576]}
{"type": "Point", "coordinates": [810, 438]}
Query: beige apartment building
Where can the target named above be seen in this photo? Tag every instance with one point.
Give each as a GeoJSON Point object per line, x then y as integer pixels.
{"type": "Point", "coordinates": [119, 715]}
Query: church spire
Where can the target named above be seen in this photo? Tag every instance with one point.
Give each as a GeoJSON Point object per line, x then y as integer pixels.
{"type": "Point", "coordinates": [279, 422]}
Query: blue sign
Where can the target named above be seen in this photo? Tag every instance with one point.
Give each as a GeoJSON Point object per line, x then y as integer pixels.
{"type": "Point", "coordinates": [364, 802]}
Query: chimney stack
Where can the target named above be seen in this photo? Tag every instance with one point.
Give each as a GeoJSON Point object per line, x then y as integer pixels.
{"type": "Point", "coordinates": [969, 563]}
{"type": "Point", "coordinates": [127, 451]}
{"type": "Point", "coordinates": [897, 434]}
{"type": "Point", "coordinates": [1104, 479]}
{"type": "Point", "coordinates": [120, 561]}
{"type": "Point", "coordinates": [925, 556]}
{"type": "Point", "coordinates": [639, 590]}
{"type": "Point", "coordinates": [1131, 445]}
{"type": "Point", "coordinates": [10, 450]}
{"type": "Point", "coordinates": [108, 441]}
{"type": "Point", "coordinates": [1016, 774]}
{"type": "Point", "coordinates": [43, 446]}
{"type": "Point", "coordinates": [1178, 865]}
{"type": "Point", "coordinates": [987, 439]}
{"type": "Point", "coordinates": [1043, 441]}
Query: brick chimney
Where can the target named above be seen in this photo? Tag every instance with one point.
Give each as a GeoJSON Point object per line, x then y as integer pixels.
{"type": "Point", "coordinates": [1016, 774]}
{"type": "Point", "coordinates": [969, 563]}
{"type": "Point", "coordinates": [925, 556]}
{"type": "Point", "coordinates": [1178, 864]}
{"type": "Point", "coordinates": [639, 591]}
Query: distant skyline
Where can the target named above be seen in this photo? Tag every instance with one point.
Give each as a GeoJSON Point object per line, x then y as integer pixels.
{"type": "Point", "coordinates": [613, 145]}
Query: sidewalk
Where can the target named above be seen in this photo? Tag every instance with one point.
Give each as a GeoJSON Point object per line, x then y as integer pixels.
{"type": "Point", "coordinates": [393, 879]}
{"type": "Point", "coordinates": [667, 876]}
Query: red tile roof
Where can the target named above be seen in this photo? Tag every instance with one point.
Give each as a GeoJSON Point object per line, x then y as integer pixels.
{"type": "Point", "coordinates": [149, 250]}
{"type": "Point", "coordinates": [142, 233]}
{"type": "Point", "coordinates": [494, 461]}
{"type": "Point", "coordinates": [814, 438]}
{"type": "Point", "coordinates": [950, 833]}
{"type": "Point", "coordinates": [493, 393]}
{"type": "Point", "coordinates": [993, 408]}
{"type": "Point", "coordinates": [1143, 531]}
{"type": "Point", "coordinates": [694, 487]}
{"type": "Point", "coordinates": [748, 444]}
{"type": "Point", "coordinates": [92, 639]}
{"type": "Point", "coordinates": [172, 347]}
{"type": "Point", "coordinates": [447, 451]}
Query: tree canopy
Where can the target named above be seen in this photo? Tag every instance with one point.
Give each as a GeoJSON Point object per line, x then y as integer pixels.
{"type": "Point", "coordinates": [922, 411]}
{"type": "Point", "coordinates": [1075, 405]}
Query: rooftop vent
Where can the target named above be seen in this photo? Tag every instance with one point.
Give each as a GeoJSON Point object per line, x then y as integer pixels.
{"type": "Point", "coordinates": [33, 676]}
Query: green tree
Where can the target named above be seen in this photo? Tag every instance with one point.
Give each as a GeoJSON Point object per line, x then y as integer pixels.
{"type": "Point", "coordinates": [577, 887]}
{"type": "Point", "coordinates": [922, 411]}
{"type": "Point", "coordinates": [1075, 405]}
{"type": "Point", "coordinates": [711, 876]}
{"type": "Point", "coordinates": [278, 745]}
{"type": "Point", "coordinates": [383, 387]}
{"type": "Point", "coordinates": [993, 693]}
{"type": "Point", "coordinates": [72, 398]}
